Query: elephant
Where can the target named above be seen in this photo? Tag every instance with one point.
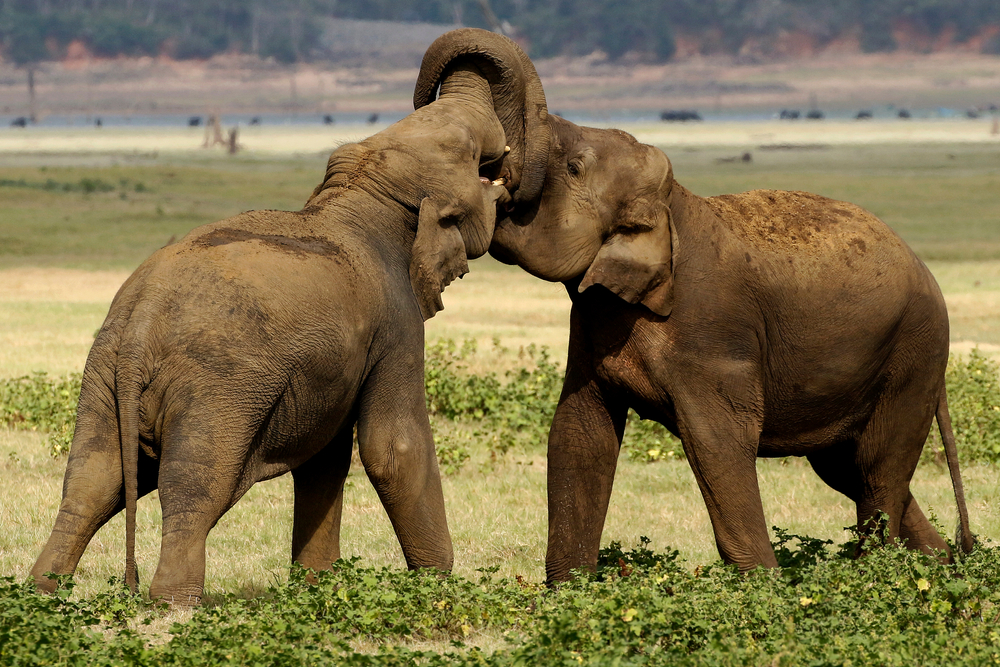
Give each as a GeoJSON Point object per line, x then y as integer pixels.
{"type": "Point", "coordinates": [761, 324]}
{"type": "Point", "coordinates": [253, 346]}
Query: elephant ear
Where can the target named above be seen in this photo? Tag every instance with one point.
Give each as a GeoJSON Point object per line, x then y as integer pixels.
{"type": "Point", "coordinates": [636, 262]}
{"type": "Point", "coordinates": [438, 255]}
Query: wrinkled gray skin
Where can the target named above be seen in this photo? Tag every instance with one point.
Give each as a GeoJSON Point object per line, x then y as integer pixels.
{"type": "Point", "coordinates": [253, 346]}
{"type": "Point", "coordinates": [764, 324]}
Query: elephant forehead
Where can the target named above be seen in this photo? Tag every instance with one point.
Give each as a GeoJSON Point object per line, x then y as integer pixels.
{"type": "Point", "coordinates": [443, 128]}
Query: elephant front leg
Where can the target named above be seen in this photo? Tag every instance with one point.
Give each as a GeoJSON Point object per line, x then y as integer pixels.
{"type": "Point", "coordinates": [721, 446]}
{"type": "Point", "coordinates": [319, 503]}
{"type": "Point", "coordinates": [397, 450]}
{"type": "Point", "coordinates": [584, 443]}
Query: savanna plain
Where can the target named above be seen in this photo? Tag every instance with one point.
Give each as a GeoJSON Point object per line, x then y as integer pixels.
{"type": "Point", "coordinates": [74, 224]}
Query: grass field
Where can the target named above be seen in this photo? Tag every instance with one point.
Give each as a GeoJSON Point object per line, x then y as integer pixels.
{"type": "Point", "coordinates": [74, 224]}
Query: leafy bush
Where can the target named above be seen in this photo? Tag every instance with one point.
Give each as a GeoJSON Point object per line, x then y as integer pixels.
{"type": "Point", "coordinates": [892, 607]}
{"type": "Point", "coordinates": [974, 403]}
{"type": "Point", "coordinates": [649, 441]}
{"type": "Point", "coordinates": [517, 408]}
{"type": "Point", "coordinates": [641, 608]}
{"type": "Point", "coordinates": [42, 403]}
{"type": "Point", "coordinates": [486, 410]}
{"type": "Point", "coordinates": [452, 452]}
{"type": "Point", "coordinates": [40, 629]}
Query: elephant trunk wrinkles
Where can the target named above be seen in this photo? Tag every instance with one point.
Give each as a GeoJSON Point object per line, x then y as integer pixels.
{"type": "Point", "coordinates": [466, 81]}
{"type": "Point", "coordinates": [517, 94]}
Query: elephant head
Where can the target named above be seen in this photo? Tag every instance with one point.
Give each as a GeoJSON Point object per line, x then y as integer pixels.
{"type": "Point", "coordinates": [518, 100]}
{"type": "Point", "coordinates": [603, 217]}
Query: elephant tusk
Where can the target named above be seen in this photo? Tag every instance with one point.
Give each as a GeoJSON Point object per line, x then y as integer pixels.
{"type": "Point", "coordinates": [506, 149]}
{"type": "Point", "coordinates": [499, 181]}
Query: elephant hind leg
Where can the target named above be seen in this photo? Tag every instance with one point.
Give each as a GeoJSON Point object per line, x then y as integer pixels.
{"type": "Point", "coordinates": [875, 473]}
{"type": "Point", "coordinates": [319, 503]}
{"type": "Point", "coordinates": [919, 534]}
{"type": "Point", "coordinates": [201, 477]}
{"type": "Point", "coordinates": [92, 495]}
{"type": "Point", "coordinates": [838, 467]}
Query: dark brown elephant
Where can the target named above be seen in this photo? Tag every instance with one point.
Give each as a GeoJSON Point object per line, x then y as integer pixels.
{"type": "Point", "coordinates": [253, 346]}
{"type": "Point", "coordinates": [766, 324]}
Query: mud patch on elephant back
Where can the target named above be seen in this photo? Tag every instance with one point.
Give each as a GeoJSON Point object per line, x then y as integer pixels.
{"type": "Point", "coordinates": [797, 222]}
{"type": "Point", "coordinates": [304, 245]}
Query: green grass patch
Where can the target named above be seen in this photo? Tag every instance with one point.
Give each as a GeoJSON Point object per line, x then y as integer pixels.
{"type": "Point", "coordinates": [116, 216]}
{"type": "Point", "coordinates": [941, 198]}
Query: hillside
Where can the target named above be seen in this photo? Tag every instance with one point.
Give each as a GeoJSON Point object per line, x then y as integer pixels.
{"type": "Point", "coordinates": [80, 88]}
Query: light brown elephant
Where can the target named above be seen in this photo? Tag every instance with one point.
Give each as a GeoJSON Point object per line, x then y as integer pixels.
{"type": "Point", "coordinates": [761, 324]}
{"type": "Point", "coordinates": [253, 346]}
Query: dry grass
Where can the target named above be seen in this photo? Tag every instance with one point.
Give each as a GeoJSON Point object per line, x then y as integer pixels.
{"type": "Point", "coordinates": [48, 317]}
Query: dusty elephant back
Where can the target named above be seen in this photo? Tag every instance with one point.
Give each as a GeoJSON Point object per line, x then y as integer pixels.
{"type": "Point", "coordinates": [256, 316]}
{"type": "Point", "coordinates": [823, 246]}
{"type": "Point", "coordinates": [803, 224]}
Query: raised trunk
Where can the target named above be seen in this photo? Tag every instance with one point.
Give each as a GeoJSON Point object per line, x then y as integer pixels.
{"type": "Point", "coordinates": [518, 99]}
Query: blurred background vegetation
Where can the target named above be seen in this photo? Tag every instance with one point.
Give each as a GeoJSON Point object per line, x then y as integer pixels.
{"type": "Point", "coordinates": [292, 30]}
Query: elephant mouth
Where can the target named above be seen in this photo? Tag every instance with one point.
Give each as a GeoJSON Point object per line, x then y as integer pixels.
{"type": "Point", "coordinates": [495, 171]}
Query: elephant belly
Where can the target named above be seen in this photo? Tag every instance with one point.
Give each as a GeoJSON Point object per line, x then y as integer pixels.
{"type": "Point", "coordinates": [303, 423]}
{"type": "Point", "coordinates": [801, 404]}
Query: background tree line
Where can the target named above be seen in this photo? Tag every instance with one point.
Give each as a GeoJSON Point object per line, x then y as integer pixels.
{"type": "Point", "coordinates": [290, 30]}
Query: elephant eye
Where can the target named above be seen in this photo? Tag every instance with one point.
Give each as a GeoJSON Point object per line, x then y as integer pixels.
{"type": "Point", "coordinates": [573, 168]}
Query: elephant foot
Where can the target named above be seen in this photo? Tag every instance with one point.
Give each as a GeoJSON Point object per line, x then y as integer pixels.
{"type": "Point", "coordinates": [176, 597]}
{"type": "Point", "coordinates": [45, 585]}
{"type": "Point", "coordinates": [178, 602]}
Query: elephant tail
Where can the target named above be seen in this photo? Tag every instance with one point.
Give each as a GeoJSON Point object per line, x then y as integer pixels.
{"type": "Point", "coordinates": [128, 389]}
{"type": "Point", "coordinates": [963, 536]}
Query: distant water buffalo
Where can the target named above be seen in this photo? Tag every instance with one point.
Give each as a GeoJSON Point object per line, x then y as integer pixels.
{"type": "Point", "coordinates": [679, 115]}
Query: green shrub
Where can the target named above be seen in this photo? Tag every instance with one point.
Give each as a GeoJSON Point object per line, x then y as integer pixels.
{"type": "Point", "coordinates": [517, 408]}
{"type": "Point", "coordinates": [42, 403]}
{"type": "Point", "coordinates": [641, 608]}
{"type": "Point", "coordinates": [452, 451]}
{"type": "Point", "coordinates": [649, 441]}
{"type": "Point", "coordinates": [498, 412]}
{"type": "Point", "coordinates": [41, 629]}
{"type": "Point", "coordinates": [974, 403]}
